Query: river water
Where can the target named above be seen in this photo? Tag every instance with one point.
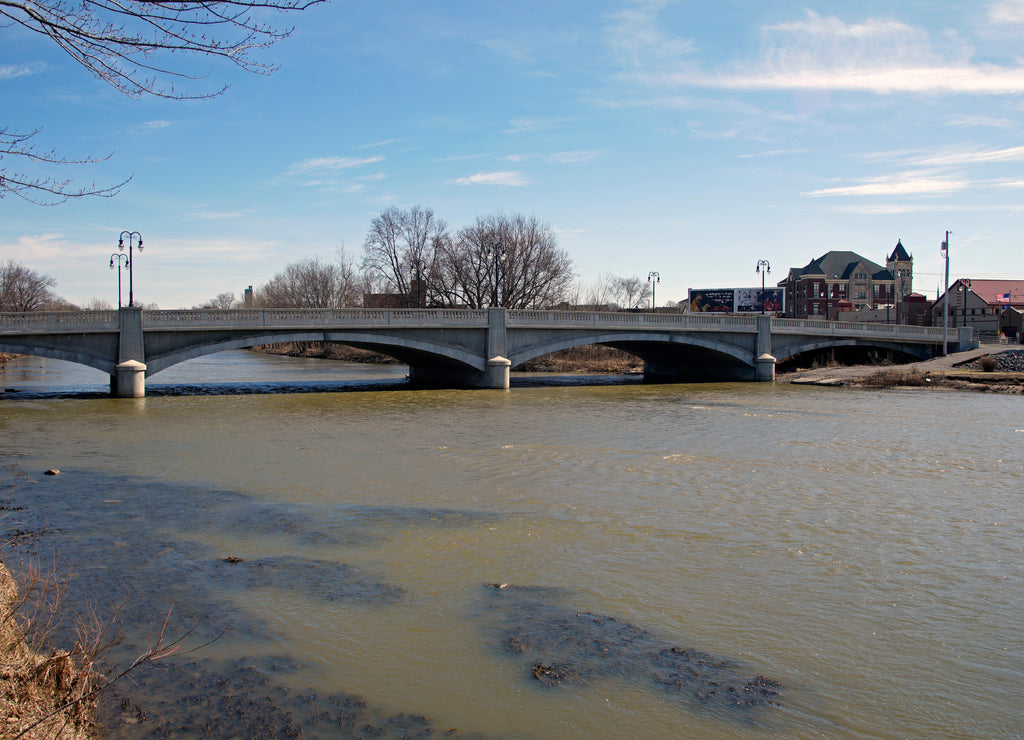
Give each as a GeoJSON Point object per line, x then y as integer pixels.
{"type": "Point", "coordinates": [557, 560]}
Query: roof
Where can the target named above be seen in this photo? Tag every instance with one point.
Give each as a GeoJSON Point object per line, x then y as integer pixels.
{"type": "Point", "coordinates": [840, 265]}
{"type": "Point", "coordinates": [899, 253]}
{"type": "Point", "coordinates": [993, 291]}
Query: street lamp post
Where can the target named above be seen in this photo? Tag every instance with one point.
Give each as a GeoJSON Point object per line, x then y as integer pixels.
{"type": "Point", "coordinates": [132, 236]}
{"type": "Point", "coordinates": [497, 254]}
{"type": "Point", "coordinates": [653, 278]}
{"type": "Point", "coordinates": [764, 268]}
{"type": "Point", "coordinates": [944, 251]}
{"type": "Point", "coordinates": [117, 257]}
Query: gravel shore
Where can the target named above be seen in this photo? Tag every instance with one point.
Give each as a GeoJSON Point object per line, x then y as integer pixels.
{"type": "Point", "coordinates": [960, 370]}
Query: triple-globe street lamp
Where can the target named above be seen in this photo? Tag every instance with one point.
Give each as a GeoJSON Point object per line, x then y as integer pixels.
{"type": "Point", "coordinates": [118, 257]}
{"type": "Point", "coordinates": [653, 278]}
{"type": "Point", "coordinates": [132, 237]}
{"type": "Point", "coordinates": [764, 268]}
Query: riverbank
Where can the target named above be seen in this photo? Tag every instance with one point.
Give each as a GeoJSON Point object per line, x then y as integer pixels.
{"type": "Point", "coordinates": [1002, 372]}
{"type": "Point", "coordinates": [587, 359]}
{"type": "Point", "coordinates": [34, 684]}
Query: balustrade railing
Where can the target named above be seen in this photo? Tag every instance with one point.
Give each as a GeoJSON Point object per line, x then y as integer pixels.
{"type": "Point", "coordinates": [66, 321]}
{"type": "Point", "coordinates": [59, 320]}
{"type": "Point", "coordinates": [306, 317]}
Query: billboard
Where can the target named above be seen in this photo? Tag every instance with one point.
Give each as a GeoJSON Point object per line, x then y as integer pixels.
{"type": "Point", "coordinates": [754, 300]}
{"type": "Point", "coordinates": [712, 300]}
{"type": "Point", "coordinates": [737, 300]}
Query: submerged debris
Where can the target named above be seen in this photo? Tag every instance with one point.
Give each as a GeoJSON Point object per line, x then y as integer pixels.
{"type": "Point", "coordinates": [563, 646]}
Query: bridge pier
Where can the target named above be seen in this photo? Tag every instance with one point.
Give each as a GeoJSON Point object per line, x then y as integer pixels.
{"type": "Point", "coordinates": [764, 370]}
{"type": "Point", "coordinates": [497, 373]}
{"type": "Point", "coordinates": [129, 380]}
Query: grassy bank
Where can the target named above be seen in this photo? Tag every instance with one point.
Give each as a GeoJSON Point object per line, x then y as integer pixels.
{"type": "Point", "coordinates": [41, 690]}
{"type": "Point", "coordinates": [587, 359]}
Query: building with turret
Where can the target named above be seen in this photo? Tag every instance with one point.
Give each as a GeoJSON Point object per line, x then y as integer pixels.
{"type": "Point", "coordinates": [846, 281]}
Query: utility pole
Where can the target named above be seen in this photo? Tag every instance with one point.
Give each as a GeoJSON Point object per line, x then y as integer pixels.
{"type": "Point", "coordinates": [945, 299]}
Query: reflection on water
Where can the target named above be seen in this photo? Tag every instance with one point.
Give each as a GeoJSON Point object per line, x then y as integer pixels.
{"type": "Point", "coordinates": [720, 560]}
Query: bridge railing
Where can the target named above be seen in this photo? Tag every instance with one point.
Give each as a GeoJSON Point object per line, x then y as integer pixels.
{"type": "Point", "coordinates": [620, 319]}
{"type": "Point", "coordinates": [60, 321]}
{"type": "Point", "coordinates": [897, 331]}
{"type": "Point", "coordinates": [301, 317]}
{"type": "Point", "coordinates": [71, 321]}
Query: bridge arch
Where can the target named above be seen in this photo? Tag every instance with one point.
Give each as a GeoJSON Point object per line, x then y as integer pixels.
{"type": "Point", "coordinates": [77, 356]}
{"type": "Point", "coordinates": [789, 351]}
{"type": "Point", "coordinates": [403, 349]}
{"type": "Point", "coordinates": [529, 352]}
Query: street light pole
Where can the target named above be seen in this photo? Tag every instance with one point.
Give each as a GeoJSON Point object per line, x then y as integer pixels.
{"type": "Point", "coordinates": [653, 278]}
{"type": "Point", "coordinates": [944, 251]}
{"type": "Point", "coordinates": [117, 257]}
{"type": "Point", "coordinates": [764, 268]}
{"type": "Point", "coordinates": [132, 236]}
{"type": "Point", "coordinates": [497, 254]}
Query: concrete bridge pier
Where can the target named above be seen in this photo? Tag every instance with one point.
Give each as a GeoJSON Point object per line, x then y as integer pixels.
{"type": "Point", "coordinates": [497, 373]}
{"type": "Point", "coordinates": [129, 380]}
{"type": "Point", "coordinates": [764, 361]}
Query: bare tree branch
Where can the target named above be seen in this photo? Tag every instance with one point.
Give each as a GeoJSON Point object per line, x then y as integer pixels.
{"type": "Point", "coordinates": [134, 47]}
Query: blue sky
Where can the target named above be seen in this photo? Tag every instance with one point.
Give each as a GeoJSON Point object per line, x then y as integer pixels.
{"type": "Point", "coordinates": [688, 138]}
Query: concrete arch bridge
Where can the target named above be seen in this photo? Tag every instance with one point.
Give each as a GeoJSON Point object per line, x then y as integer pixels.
{"type": "Point", "coordinates": [461, 347]}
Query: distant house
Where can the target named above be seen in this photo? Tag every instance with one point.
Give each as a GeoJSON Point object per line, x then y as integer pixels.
{"type": "Point", "coordinates": [978, 304]}
{"type": "Point", "coordinates": [846, 280]}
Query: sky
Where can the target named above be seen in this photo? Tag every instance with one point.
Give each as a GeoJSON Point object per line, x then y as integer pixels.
{"type": "Point", "coordinates": [687, 138]}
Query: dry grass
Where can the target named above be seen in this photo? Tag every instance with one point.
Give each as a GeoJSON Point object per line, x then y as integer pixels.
{"type": "Point", "coordinates": [43, 694]}
{"type": "Point", "coordinates": [897, 378]}
{"type": "Point", "coordinates": [591, 358]}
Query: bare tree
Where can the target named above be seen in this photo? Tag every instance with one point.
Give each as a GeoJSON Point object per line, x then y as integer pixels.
{"type": "Point", "coordinates": [628, 292]}
{"type": "Point", "coordinates": [133, 46]}
{"type": "Point", "coordinates": [401, 249]}
{"type": "Point", "coordinates": [508, 260]}
{"type": "Point", "coordinates": [310, 283]}
{"type": "Point", "coordinates": [24, 289]}
{"type": "Point", "coordinates": [222, 301]}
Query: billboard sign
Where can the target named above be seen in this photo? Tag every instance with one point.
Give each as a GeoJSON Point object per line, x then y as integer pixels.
{"type": "Point", "coordinates": [753, 300]}
{"type": "Point", "coordinates": [712, 300]}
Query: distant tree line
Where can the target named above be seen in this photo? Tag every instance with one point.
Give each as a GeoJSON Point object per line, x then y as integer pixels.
{"type": "Point", "coordinates": [411, 258]}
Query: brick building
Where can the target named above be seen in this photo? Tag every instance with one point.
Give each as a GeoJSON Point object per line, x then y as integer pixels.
{"type": "Point", "coordinates": [849, 281]}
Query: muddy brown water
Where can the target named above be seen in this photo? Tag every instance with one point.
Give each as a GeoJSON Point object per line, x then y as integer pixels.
{"type": "Point", "coordinates": [709, 561]}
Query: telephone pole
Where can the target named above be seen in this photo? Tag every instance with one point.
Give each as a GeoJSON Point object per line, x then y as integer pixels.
{"type": "Point", "coordinates": [945, 299]}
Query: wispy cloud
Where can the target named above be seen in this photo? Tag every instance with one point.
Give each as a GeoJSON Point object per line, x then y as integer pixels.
{"type": "Point", "coordinates": [513, 178]}
{"type": "Point", "coordinates": [375, 144]}
{"type": "Point", "coordinates": [531, 125]}
{"type": "Point", "coordinates": [570, 157]}
{"type": "Point", "coordinates": [819, 53]}
{"type": "Point", "coordinates": [976, 121]}
{"type": "Point", "coordinates": [1006, 11]}
{"type": "Point", "coordinates": [958, 158]}
{"type": "Point", "coordinates": [12, 71]}
{"type": "Point", "coordinates": [899, 184]}
{"type": "Point", "coordinates": [331, 164]}
{"type": "Point", "coordinates": [773, 153]}
{"type": "Point", "coordinates": [150, 126]}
